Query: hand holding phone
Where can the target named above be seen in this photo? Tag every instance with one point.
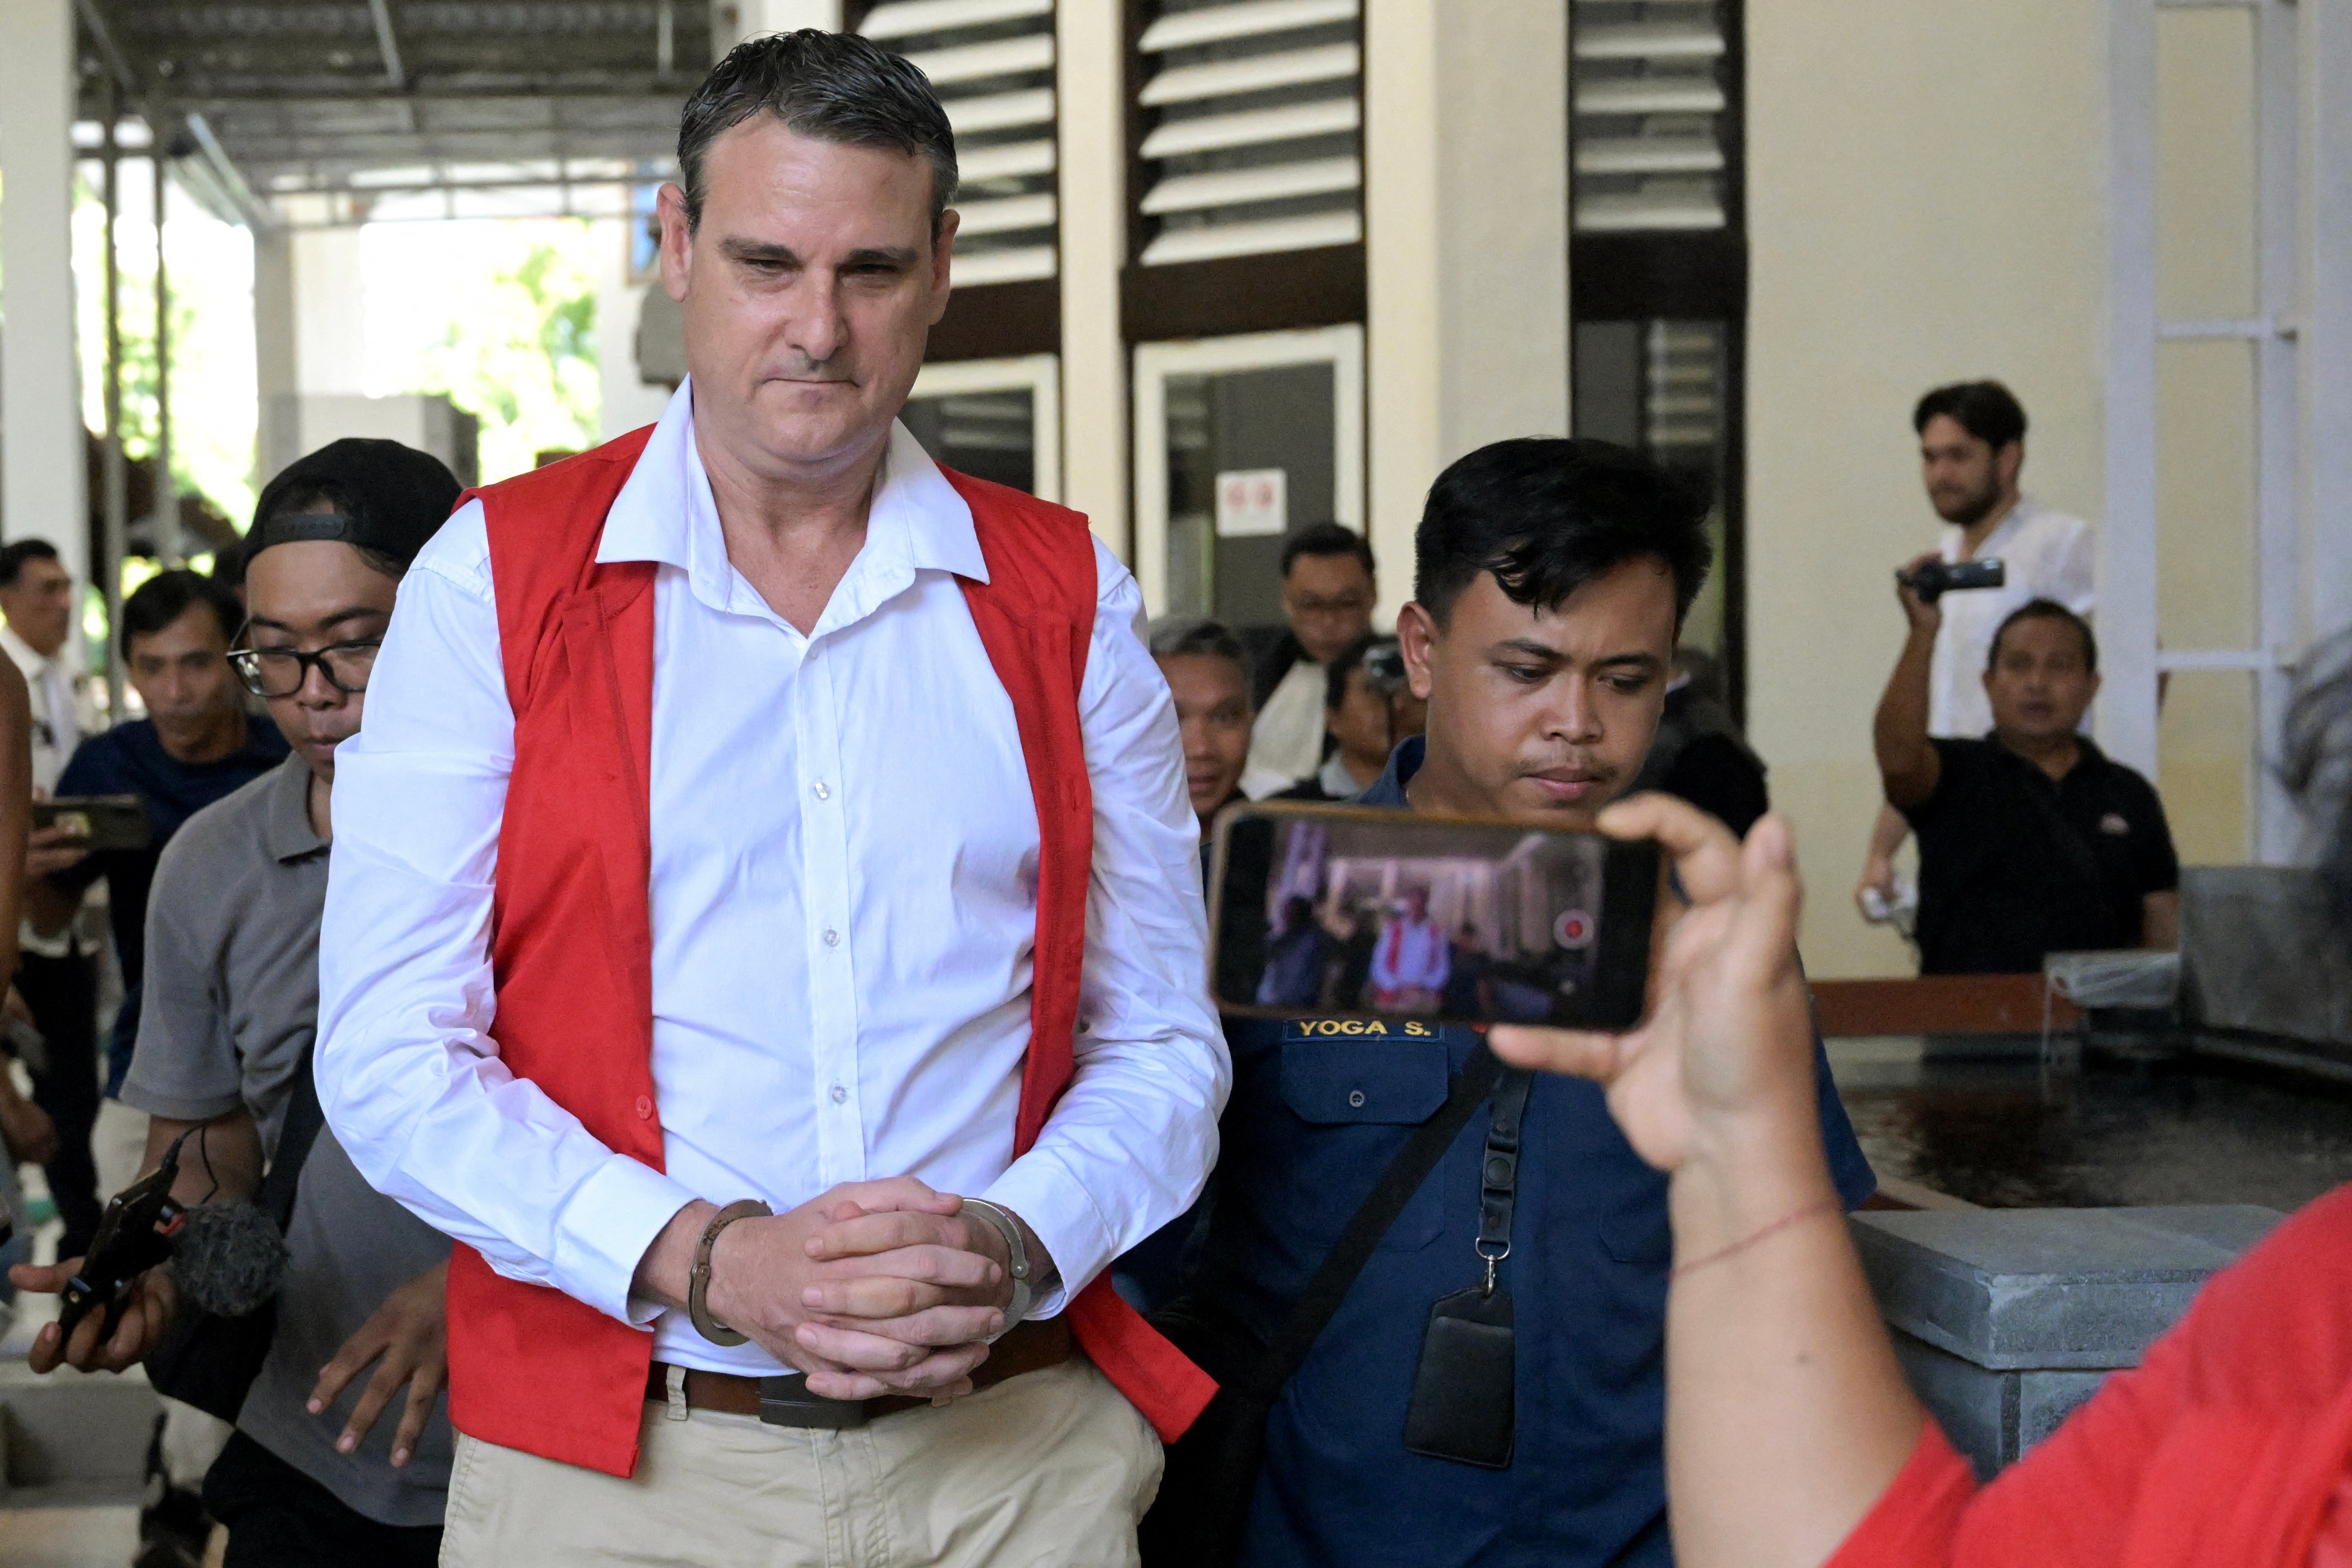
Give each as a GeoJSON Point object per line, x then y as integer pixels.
{"type": "Point", "coordinates": [1726, 1054]}
{"type": "Point", "coordinates": [94, 822]}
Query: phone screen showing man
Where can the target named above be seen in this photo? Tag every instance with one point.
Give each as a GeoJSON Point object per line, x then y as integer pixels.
{"type": "Point", "coordinates": [1344, 911]}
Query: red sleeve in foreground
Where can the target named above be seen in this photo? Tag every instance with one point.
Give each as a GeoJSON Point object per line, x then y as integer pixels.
{"type": "Point", "coordinates": [1916, 1517]}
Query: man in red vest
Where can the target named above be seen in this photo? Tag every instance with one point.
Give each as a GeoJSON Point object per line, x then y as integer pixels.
{"type": "Point", "coordinates": [763, 930]}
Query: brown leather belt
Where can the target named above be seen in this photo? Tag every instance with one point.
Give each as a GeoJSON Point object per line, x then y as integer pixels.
{"type": "Point", "coordinates": [786, 1402]}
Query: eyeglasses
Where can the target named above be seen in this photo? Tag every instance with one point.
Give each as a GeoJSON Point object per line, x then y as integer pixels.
{"type": "Point", "coordinates": [280, 671]}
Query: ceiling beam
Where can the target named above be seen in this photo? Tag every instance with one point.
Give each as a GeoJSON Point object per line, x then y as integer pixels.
{"type": "Point", "coordinates": [224, 173]}
{"type": "Point", "coordinates": [387, 44]}
{"type": "Point", "coordinates": [118, 65]}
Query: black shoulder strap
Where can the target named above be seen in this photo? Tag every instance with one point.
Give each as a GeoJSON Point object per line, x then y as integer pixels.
{"type": "Point", "coordinates": [1361, 1236]}
{"type": "Point", "coordinates": [304, 1117]}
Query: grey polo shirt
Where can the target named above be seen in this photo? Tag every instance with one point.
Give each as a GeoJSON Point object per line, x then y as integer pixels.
{"type": "Point", "coordinates": [232, 1002]}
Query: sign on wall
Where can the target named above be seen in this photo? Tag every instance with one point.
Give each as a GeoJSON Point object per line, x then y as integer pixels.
{"type": "Point", "coordinates": [1252, 503]}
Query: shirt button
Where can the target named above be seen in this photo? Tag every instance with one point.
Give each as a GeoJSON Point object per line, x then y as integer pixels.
{"type": "Point", "coordinates": [822, 792]}
{"type": "Point", "coordinates": [839, 1094]}
{"type": "Point", "coordinates": [1355, 1099]}
{"type": "Point", "coordinates": [833, 938]}
{"type": "Point", "coordinates": [644, 1109]}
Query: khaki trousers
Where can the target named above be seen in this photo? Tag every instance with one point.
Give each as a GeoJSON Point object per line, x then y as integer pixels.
{"type": "Point", "coordinates": [1050, 1470]}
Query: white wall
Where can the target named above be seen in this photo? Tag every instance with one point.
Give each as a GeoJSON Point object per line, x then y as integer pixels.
{"type": "Point", "coordinates": [1927, 200]}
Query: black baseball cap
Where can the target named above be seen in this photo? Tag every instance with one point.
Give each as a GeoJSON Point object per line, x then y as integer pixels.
{"type": "Point", "coordinates": [388, 499]}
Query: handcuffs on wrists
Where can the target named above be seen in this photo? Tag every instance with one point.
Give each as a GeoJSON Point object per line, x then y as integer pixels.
{"type": "Point", "coordinates": [698, 1288]}
{"type": "Point", "coordinates": [1016, 1249]}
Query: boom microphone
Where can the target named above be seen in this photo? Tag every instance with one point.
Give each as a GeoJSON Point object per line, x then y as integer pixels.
{"type": "Point", "coordinates": [228, 1258]}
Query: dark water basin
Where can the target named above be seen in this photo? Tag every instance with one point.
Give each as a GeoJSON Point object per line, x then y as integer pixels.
{"type": "Point", "coordinates": [2004, 1132]}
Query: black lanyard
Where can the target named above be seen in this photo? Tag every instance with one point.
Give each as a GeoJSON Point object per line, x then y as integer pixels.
{"type": "Point", "coordinates": [1498, 1172]}
{"type": "Point", "coordinates": [1463, 1406]}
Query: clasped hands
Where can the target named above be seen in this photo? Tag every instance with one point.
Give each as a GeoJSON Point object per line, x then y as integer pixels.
{"type": "Point", "coordinates": [874, 1288]}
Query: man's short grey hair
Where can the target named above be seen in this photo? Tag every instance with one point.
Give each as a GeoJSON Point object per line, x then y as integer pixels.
{"type": "Point", "coordinates": [1176, 636]}
{"type": "Point", "coordinates": [830, 87]}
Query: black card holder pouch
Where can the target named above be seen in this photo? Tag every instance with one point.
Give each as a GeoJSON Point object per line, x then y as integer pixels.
{"type": "Point", "coordinates": [1461, 1406]}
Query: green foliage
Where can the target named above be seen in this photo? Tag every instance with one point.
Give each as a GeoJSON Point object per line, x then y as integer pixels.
{"type": "Point", "coordinates": [516, 340]}
{"type": "Point", "coordinates": [213, 407]}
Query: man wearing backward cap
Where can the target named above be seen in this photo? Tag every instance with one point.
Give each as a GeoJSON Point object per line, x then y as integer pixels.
{"type": "Point", "coordinates": [311, 1476]}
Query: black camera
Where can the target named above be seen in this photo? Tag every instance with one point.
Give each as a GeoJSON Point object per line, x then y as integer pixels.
{"type": "Point", "coordinates": [1934, 579]}
{"type": "Point", "coordinates": [1384, 666]}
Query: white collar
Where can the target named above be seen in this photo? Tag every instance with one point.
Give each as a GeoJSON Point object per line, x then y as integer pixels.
{"type": "Point", "coordinates": [2021, 511]}
{"type": "Point", "coordinates": [30, 661]}
{"type": "Point", "coordinates": [666, 513]}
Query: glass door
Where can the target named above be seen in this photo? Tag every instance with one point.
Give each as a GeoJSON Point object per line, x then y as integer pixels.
{"type": "Point", "coordinates": [993, 419]}
{"type": "Point", "coordinates": [1240, 442]}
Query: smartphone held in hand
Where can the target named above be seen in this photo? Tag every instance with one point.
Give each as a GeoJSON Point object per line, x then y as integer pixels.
{"type": "Point", "coordinates": [1350, 912]}
{"type": "Point", "coordinates": [103, 821]}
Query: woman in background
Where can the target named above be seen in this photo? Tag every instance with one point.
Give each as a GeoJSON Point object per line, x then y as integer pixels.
{"type": "Point", "coordinates": [1792, 1437]}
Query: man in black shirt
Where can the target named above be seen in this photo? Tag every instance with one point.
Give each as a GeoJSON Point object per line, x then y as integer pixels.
{"type": "Point", "coordinates": [2031, 841]}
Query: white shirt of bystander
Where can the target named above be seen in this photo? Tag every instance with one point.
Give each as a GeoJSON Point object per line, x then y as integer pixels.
{"type": "Point", "coordinates": [1287, 740]}
{"type": "Point", "coordinates": [58, 722]}
{"type": "Point", "coordinates": [2045, 555]}
{"type": "Point", "coordinates": [843, 873]}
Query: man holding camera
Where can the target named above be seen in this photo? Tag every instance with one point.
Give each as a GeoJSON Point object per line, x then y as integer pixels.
{"type": "Point", "coordinates": [2032, 840]}
{"type": "Point", "coordinates": [1552, 579]}
{"type": "Point", "coordinates": [1971, 450]}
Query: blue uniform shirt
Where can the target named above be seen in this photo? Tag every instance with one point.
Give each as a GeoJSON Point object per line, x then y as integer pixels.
{"type": "Point", "coordinates": [130, 759]}
{"type": "Point", "coordinates": [1319, 1108]}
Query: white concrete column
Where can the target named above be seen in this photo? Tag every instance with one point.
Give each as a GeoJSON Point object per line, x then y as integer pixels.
{"type": "Point", "coordinates": [1466, 222]}
{"type": "Point", "coordinates": [2125, 717]}
{"type": "Point", "coordinates": [627, 403]}
{"type": "Point", "coordinates": [2325, 344]}
{"type": "Point", "coordinates": [278, 435]}
{"type": "Point", "coordinates": [42, 492]}
{"type": "Point", "coordinates": [330, 312]}
{"type": "Point", "coordinates": [1092, 128]}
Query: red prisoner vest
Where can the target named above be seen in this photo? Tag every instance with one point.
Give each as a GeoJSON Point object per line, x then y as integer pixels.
{"type": "Point", "coordinates": [571, 935]}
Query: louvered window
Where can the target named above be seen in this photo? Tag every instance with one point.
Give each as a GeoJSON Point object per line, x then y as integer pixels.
{"type": "Point", "coordinates": [1682, 401]}
{"type": "Point", "coordinates": [1651, 136]}
{"type": "Point", "coordinates": [1251, 112]}
{"type": "Point", "coordinates": [993, 63]}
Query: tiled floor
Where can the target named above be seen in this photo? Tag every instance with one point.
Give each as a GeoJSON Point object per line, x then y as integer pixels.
{"type": "Point", "coordinates": [67, 1537]}
{"type": "Point", "coordinates": [71, 1530]}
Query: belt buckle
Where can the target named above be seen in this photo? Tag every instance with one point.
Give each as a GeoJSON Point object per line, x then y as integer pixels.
{"type": "Point", "coordinates": [786, 1401]}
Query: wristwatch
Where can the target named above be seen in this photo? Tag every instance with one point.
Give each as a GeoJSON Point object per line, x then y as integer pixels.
{"type": "Point", "coordinates": [1017, 1264]}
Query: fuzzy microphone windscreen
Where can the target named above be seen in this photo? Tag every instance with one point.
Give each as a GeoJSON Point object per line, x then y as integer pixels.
{"type": "Point", "coordinates": [228, 1258]}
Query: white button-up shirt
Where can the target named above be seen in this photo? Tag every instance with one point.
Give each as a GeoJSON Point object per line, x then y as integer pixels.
{"type": "Point", "coordinates": [58, 725]}
{"type": "Point", "coordinates": [843, 874]}
{"type": "Point", "coordinates": [2045, 555]}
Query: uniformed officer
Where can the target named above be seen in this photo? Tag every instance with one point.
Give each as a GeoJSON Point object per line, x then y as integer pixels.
{"type": "Point", "coordinates": [1552, 579]}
